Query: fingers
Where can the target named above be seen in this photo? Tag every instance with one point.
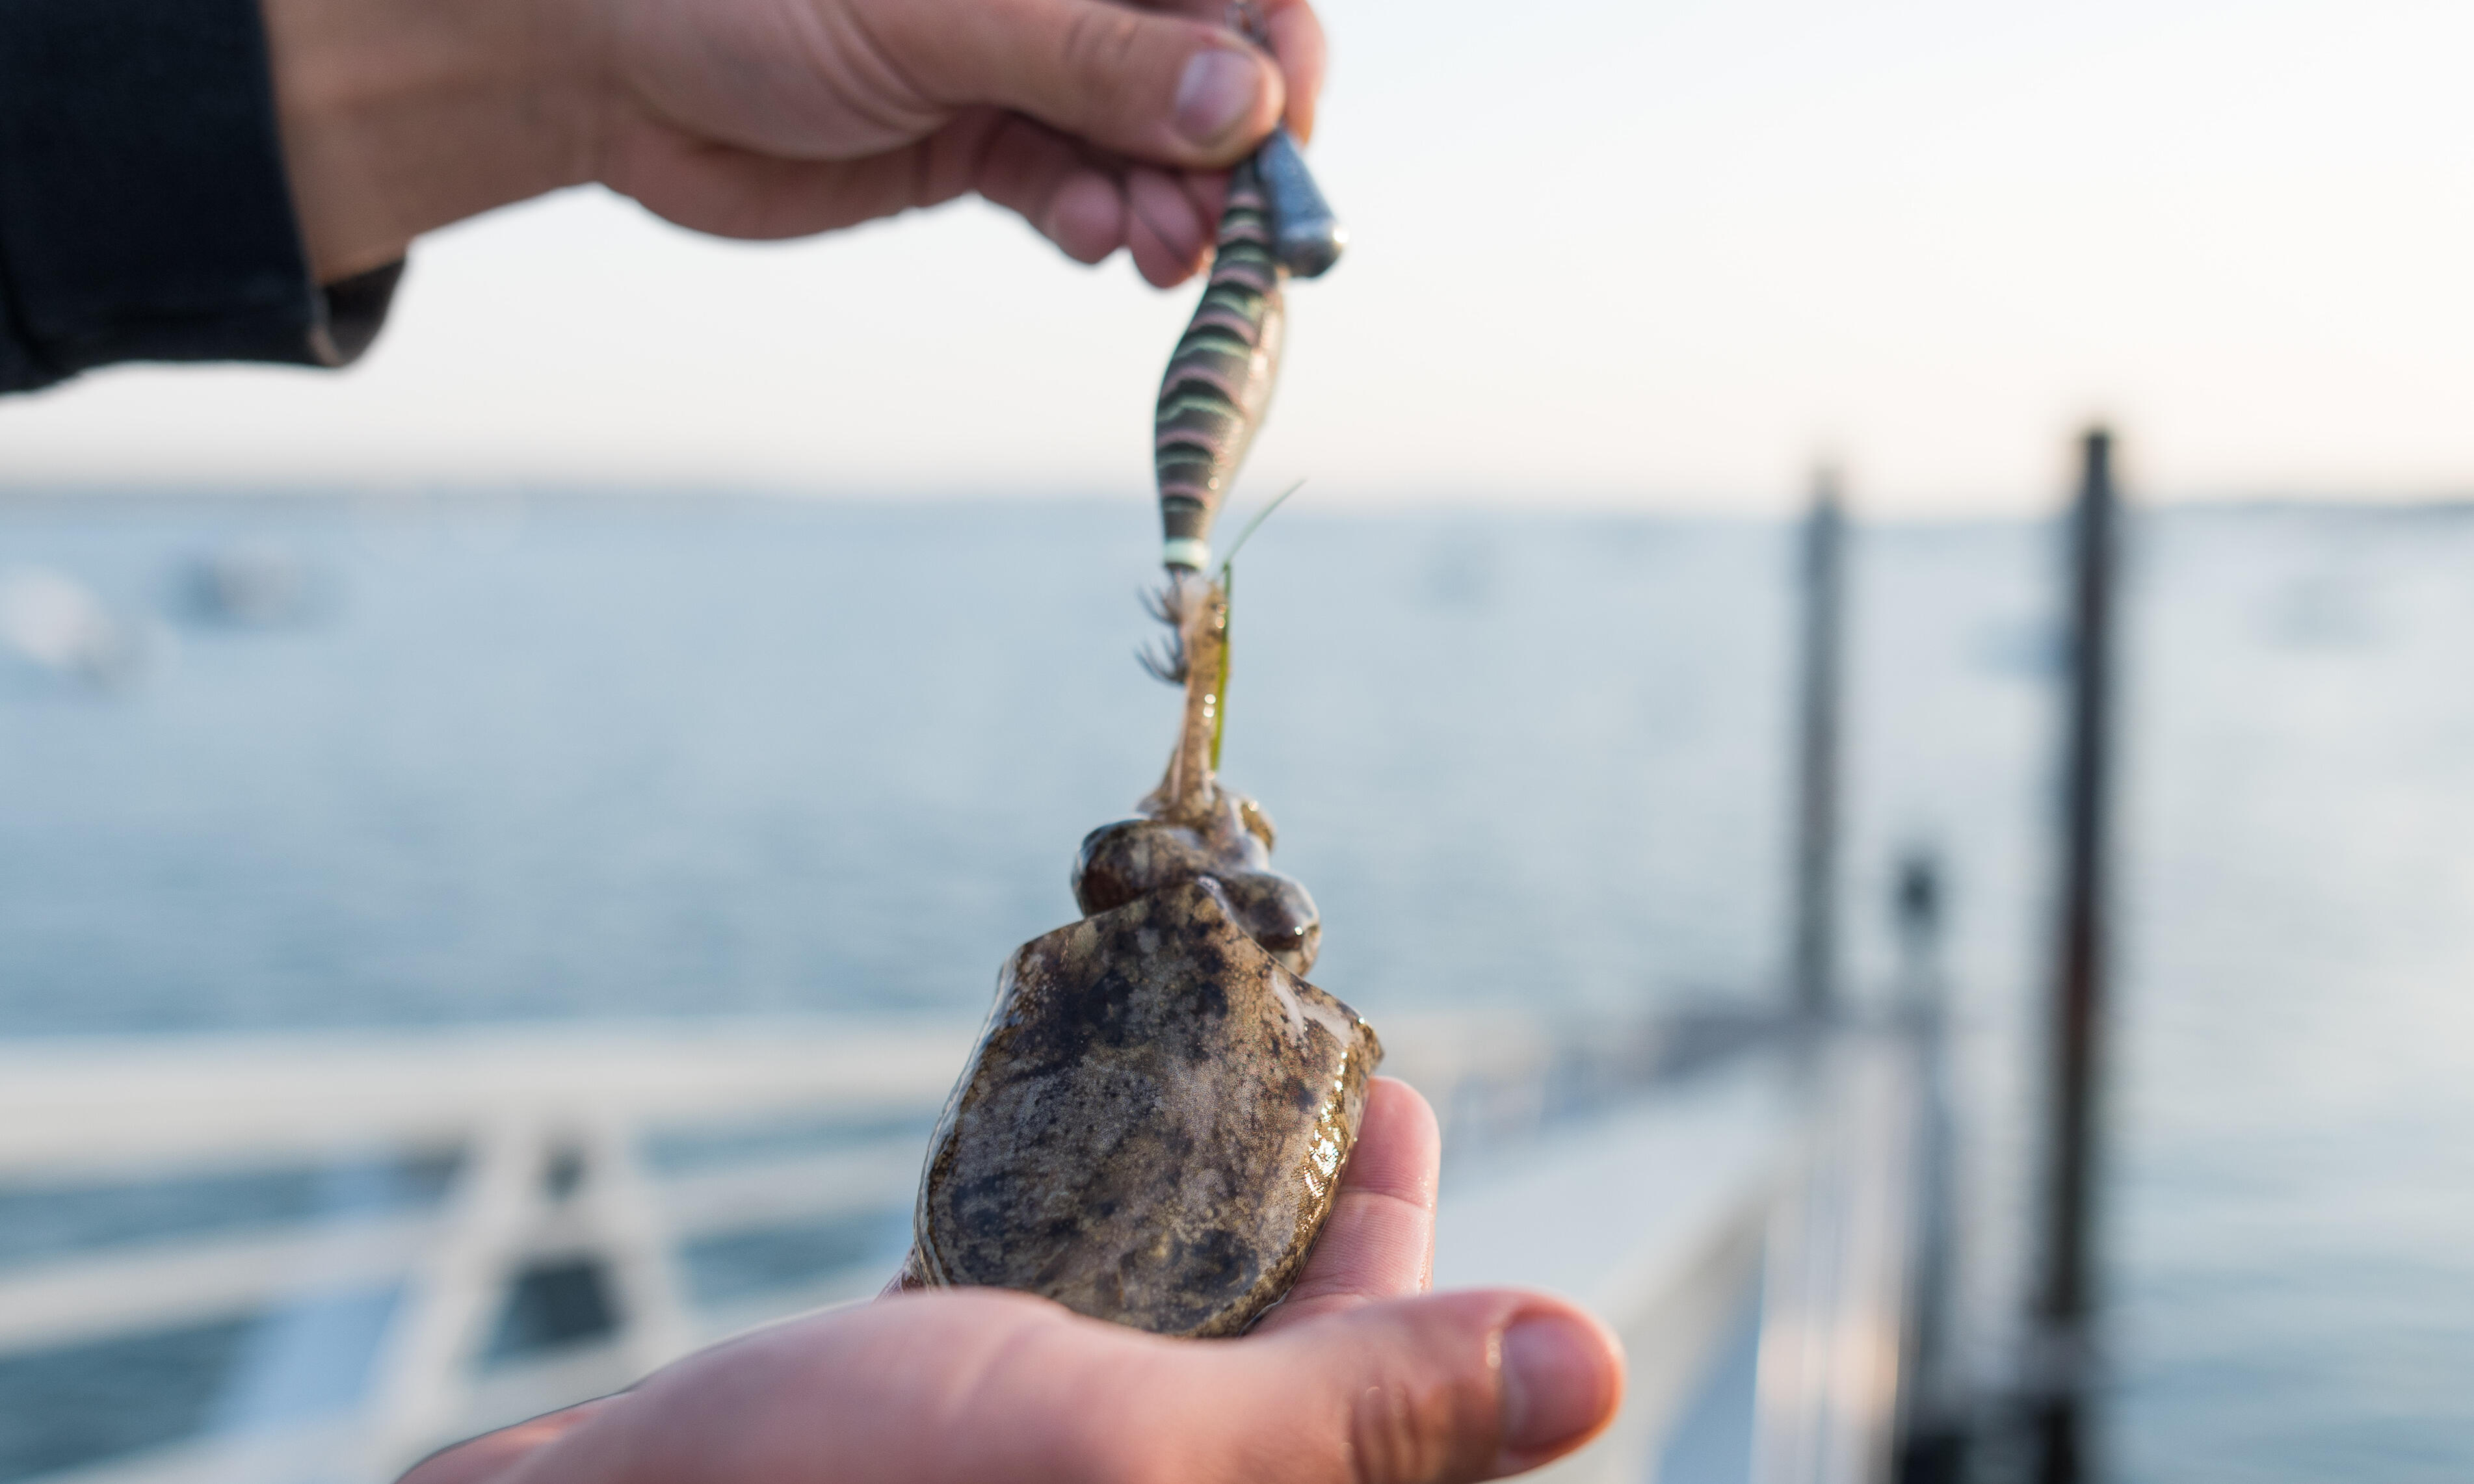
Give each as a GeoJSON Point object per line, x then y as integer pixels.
{"type": "Point", "coordinates": [735, 192]}
{"type": "Point", "coordinates": [1165, 235]}
{"type": "Point", "coordinates": [1393, 1387]}
{"type": "Point", "coordinates": [1455, 1386]}
{"type": "Point", "coordinates": [1169, 89]}
{"type": "Point", "coordinates": [1104, 125]}
{"type": "Point", "coordinates": [1441, 1388]}
{"type": "Point", "coordinates": [1089, 211]}
{"type": "Point", "coordinates": [1297, 40]}
{"type": "Point", "coordinates": [1379, 1240]}
{"type": "Point", "coordinates": [772, 118]}
{"type": "Point", "coordinates": [1036, 172]}
{"type": "Point", "coordinates": [970, 1386]}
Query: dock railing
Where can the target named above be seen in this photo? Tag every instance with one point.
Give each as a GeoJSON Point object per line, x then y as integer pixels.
{"type": "Point", "coordinates": [445, 1231]}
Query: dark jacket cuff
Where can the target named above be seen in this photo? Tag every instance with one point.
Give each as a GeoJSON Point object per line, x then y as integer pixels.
{"type": "Point", "coordinates": [144, 210]}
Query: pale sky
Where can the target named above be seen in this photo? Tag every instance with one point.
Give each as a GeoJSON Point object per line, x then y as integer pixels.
{"type": "Point", "coordinates": [1660, 254]}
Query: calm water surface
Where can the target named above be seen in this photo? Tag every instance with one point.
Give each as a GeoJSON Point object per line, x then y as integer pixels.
{"type": "Point", "coordinates": [586, 758]}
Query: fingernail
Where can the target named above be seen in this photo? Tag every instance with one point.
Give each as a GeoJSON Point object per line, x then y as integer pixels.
{"type": "Point", "coordinates": [1216, 93]}
{"type": "Point", "coordinates": [1552, 1385]}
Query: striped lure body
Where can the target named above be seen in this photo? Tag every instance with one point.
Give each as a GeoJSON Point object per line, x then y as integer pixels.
{"type": "Point", "coordinates": [1219, 380]}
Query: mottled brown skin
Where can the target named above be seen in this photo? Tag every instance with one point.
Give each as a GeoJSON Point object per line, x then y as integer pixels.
{"type": "Point", "coordinates": [1153, 1125]}
{"type": "Point", "coordinates": [1131, 858]}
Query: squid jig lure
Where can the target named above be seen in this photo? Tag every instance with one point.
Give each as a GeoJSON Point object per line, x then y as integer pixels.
{"type": "Point", "coordinates": [1276, 225]}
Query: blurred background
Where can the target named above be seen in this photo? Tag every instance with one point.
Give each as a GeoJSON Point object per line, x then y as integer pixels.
{"type": "Point", "coordinates": [637, 646]}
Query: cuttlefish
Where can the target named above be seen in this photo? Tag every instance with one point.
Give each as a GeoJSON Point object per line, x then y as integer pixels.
{"type": "Point", "coordinates": [1154, 1124]}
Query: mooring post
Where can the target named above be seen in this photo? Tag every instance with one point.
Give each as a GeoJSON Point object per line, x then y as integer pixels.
{"type": "Point", "coordinates": [2065, 1299]}
{"type": "Point", "coordinates": [1933, 1448]}
{"type": "Point", "coordinates": [1816, 835]}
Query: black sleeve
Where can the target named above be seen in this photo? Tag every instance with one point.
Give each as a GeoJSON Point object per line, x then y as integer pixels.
{"type": "Point", "coordinates": [144, 210]}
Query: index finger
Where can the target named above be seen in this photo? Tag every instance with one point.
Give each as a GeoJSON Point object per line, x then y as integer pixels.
{"type": "Point", "coordinates": [1298, 43]}
{"type": "Point", "coordinates": [1379, 1240]}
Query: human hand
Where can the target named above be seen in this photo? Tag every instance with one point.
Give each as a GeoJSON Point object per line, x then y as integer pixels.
{"type": "Point", "coordinates": [1359, 1378]}
{"type": "Point", "coordinates": [1103, 124]}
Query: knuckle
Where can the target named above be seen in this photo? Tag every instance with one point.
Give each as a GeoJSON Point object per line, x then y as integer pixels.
{"type": "Point", "coordinates": [1098, 48]}
{"type": "Point", "coordinates": [1394, 1436]}
{"type": "Point", "coordinates": [1406, 1431]}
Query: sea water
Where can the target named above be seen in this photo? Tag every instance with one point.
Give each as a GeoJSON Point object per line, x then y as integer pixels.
{"type": "Point", "coordinates": [353, 761]}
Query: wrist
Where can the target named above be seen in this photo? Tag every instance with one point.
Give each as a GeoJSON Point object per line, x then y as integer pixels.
{"type": "Point", "coordinates": [400, 116]}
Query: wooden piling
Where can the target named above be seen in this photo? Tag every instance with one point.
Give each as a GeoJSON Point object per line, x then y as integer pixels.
{"type": "Point", "coordinates": [2065, 1298]}
{"type": "Point", "coordinates": [1823, 591]}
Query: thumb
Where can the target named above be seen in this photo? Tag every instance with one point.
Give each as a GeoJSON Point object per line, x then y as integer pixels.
{"type": "Point", "coordinates": [1167, 89]}
{"type": "Point", "coordinates": [1449, 1387]}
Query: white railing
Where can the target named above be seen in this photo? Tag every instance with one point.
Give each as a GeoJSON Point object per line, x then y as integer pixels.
{"type": "Point", "coordinates": [1781, 1178]}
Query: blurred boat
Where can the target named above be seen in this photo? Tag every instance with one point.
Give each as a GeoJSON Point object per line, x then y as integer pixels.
{"type": "Point", "coordinates": [56, 623]}
{"type": "Point", "coordinates": [251, 586]}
